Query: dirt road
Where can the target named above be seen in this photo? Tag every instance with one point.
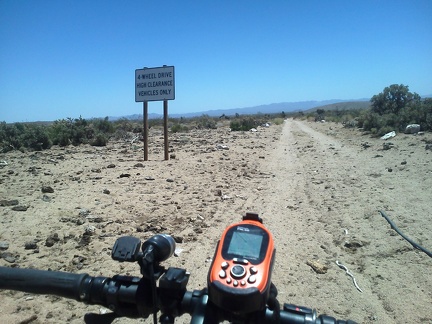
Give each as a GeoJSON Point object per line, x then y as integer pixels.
{"type": "Point", "coordinates": [323, 205]}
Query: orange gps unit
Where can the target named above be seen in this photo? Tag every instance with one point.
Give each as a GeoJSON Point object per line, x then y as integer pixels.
{"type": "Point", "coordinates": [239, 278]}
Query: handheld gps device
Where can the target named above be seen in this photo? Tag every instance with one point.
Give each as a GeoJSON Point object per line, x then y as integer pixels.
{"type": "Point", "coordinates": [239, 278]}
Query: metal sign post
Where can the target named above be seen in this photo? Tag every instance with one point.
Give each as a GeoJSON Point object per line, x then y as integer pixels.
{"type": "Point", "coordinates": [154, 84]}
{"type": "Point", "coordinates": [165, 104]}
{"type": "Point", "coordinates": [145, 129]}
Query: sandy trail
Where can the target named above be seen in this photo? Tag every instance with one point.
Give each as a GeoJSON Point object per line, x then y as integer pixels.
{"type": "Point", "coordinates": [317, 186]}
{"type": "Point", "coordinates": [323, 205]}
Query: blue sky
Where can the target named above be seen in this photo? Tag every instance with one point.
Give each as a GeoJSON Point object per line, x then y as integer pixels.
{"type": "Point", "coordinates": [61, 59]}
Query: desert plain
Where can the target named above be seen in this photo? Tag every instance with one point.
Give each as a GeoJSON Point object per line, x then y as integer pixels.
{"type": "Point", "coordinates": [318, 187]}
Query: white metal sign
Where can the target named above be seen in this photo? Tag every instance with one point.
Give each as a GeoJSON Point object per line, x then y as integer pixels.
{"type": "Point", "coordinates": [154, 84]}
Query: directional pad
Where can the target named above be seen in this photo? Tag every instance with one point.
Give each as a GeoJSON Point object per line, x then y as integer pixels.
{"type": "Point", "coordinates": [238, 271]}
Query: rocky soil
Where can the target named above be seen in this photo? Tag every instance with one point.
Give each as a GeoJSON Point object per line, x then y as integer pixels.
{"type": "Point", "coordinates": [318, 187]}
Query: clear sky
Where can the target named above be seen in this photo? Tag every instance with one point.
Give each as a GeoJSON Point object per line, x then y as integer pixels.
{"type": "Point", "coordinates": [71, 58]}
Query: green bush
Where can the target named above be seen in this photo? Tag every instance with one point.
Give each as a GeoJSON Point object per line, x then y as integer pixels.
{"type": "Point", "coordinates": [37, 138]}
{"type": "Point", "coordinates": [413, 113]}
{"type": "Point", "coordinates": [244, 123]}
{"type": "Point", "coordinates": [206, 122]}
{"type": "Point", "coordinates": [179, 128]}
{"type": "Point", "coordinates": [103, 125]}
{"type": "Point", "coordinates": [394, 109]}
{"type": "Point", "coordinates": [99, 140]}
{"type": "Point", "coordinates": [80, 131]}
{"type": "Point", "coordinates": [10, 136]}
{"type": "Point", "coordinates": [278, 121]}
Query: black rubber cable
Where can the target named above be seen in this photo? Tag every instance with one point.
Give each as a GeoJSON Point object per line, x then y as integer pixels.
{"type": "Point", "coordinates": [414, 244]}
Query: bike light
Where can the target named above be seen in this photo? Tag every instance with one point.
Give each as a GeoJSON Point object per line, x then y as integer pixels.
{"type": "Point", "coordinates": [163, 246]}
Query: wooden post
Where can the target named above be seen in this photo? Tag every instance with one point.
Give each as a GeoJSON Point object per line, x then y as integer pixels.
{"type": "Point", "coordinates": [165, 104]}
{"type": "Point", "coordinates": [145, 129]}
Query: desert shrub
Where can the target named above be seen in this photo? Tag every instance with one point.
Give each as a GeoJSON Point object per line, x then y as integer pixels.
{"type": "Point", "coordinates": [244, 124]}
{"type": "Point", "coordinates": [103, 125]}
{"type": "Point", "coordinates": [155, 122]}
{"type": "Point", "coordinates": [278, 121]}
{"type": "Point", "coordinates": [137, 129]}
{"type": "Point", "coordinates": [394, 109]}
{"type": "Point", "coordinates": [179, 128]}
{"type": "Point", "coordinates": [62, 138]}
{"type": "Point", "coordinates": [61, 132]}
{"type": "Point", "coordinates": [21, 136]}
{"type": "Point", "coordinates": [80, 131]}
{"type": "Point", "coordinates": [123, 125]}
{"type": "Point", "coordinates": [99, 140]}
{"type": "Point", "coordinates": [10, 136]}
{"type": "Point", "coordinates": [416, 113]}
{"type": "Point", "coordinates": [36, 138]}
{"type": "Point", "coordinates": [206, 122]}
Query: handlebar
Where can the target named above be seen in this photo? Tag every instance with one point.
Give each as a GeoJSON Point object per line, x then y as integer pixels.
{"type": "Point", "coordinates": [131, 297]}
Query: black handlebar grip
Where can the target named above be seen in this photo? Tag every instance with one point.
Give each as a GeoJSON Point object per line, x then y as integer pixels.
{"type": "Point", "coordinates": [63, 284]}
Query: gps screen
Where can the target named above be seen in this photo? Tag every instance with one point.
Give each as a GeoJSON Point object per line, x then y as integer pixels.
{"type": "Point", "coordinates": [246, 245]}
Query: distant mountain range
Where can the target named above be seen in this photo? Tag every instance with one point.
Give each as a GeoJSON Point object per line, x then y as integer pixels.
{"type": "Point", "coordinates": [265, 109]}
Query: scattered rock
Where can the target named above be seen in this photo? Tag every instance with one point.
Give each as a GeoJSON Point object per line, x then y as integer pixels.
{"type": "Point", "coordinates": [110, 166]}
{"type": "Point", "coordinates": [4, 245]}
{"type": "Point", "coordinates": [84, 212]}
{"type": "Point", "coordinates": [170, 180]}
{"type": "Point", "coordinates": [90, 229]}
{"type": "Point", "coordinates": [222, 147]}
{"type": "Point", "coordinates": [6, 203]}
{"type": "Point", "coordinates": [86, 236]}
{"type": "Point", "coordinates": [106, 191]}
{"type": "Point", "coordinates": [125, 175]}
{"type": "Point", "coordinates": [178, 239]}
{"type": "Point", "coordinates": [387, 146]}
{"type": "Point", "coordinates": [353, 245]}
{"type": "Point", "coordinates": [78, 261]}
{"type": "Point", "coordinates": [94, 219]}
{"type": "Point", "coordinates": [30, 245]}
{"type": "Point", "coordinates": [149, 178]}
{"type": "Point", "coordinates": [8, 257]}
{"type": "Point", "coordinates": [412, 129]}
{"type": "Point", "coordinates": [365, 145]}
{"type": "Point", "coordinates": [20, 208]}
{"type": "Point", "coordinates": [74, 220]}
{"type": "Point", "coordinates": [47, 189]}
{"type": "Point", "coordinates": [317, 266]}
{"type": "Point", "coordinates": [139, 165]}
{"type": "Point", "coordinates": [52, 239]}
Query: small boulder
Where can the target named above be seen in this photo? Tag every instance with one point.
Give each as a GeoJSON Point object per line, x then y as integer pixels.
{"type": "Point", "coordinates": [47, 189]}
{"type": "Point", "coordinates": [31, 245]}
{"type": "Point", "coordinates": [4, 245]}
{"type": "Point", "coordinates": [412, 129]}
{"type": "Point", "coordinates": [20, 208]}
